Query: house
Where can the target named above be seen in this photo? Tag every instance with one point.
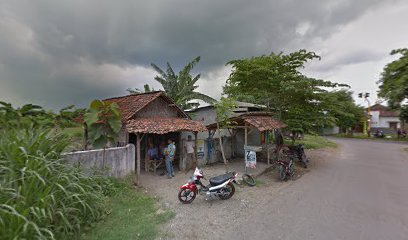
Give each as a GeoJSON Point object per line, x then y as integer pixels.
{"type": "Point", "coordinates": [251, 127]}
{"type": "Point", "coordinates": [383, 118]}
{"type": "Point", "coordinates": [153, 118]}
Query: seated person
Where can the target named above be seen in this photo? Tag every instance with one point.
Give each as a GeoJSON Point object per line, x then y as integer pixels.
{"type": "Point", "coordinates": [152, 153]}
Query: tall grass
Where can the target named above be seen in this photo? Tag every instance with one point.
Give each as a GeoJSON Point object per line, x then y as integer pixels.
{"type": "Point", "coordinates": [41, 197]}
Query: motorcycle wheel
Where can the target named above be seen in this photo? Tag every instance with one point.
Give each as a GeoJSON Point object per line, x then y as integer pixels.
{"type": "Point", "coordinates": [248, 179]}
{"type": "Point", "coordinates": [292, 170]}
{"type": "Point", "coordinates": [282, 173]}
{"type": "Point", "coordinates": [186, 196]}
{"type": "Point", "coordinates": [231, 189]}
{"type": "Point", "coordinates": [304, 160]}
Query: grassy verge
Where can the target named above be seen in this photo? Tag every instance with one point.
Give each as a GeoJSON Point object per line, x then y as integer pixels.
{"type": "Point", "coordinates": [372, 138]}
{"type": "Point", "coordinates": [131, 215]}
{"type": "Point", "coordinates": [316, 142]}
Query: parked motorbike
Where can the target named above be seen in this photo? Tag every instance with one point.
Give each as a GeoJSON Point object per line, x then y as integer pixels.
{"type": "Point", "coordinates": [286, 168]}
{"type": "Point", "coordinates": [220, 186]}
{"type": "Point", "coordinates": [298, 152]}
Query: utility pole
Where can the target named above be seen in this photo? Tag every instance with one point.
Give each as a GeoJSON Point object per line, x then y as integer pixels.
{"type": "Point", "coordinates": [367, 128]}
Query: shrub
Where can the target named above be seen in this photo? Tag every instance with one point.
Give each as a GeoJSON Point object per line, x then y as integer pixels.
{"type": "Point", "coordinates": [41, 197]}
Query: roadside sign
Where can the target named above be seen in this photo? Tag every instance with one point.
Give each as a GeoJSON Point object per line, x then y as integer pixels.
{"type": "Point", "coordinates": [250, 159]}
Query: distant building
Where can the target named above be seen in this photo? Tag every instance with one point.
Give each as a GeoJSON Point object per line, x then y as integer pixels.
{"type": "Point", "coordinates": [383, 118]}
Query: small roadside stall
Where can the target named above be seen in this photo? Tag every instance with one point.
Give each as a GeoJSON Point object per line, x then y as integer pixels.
{"type": "Point", "coordinates": [250, 134]}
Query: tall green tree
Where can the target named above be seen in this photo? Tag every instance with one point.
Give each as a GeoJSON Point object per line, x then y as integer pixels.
{"type": "Point", "coordinates": [394, 82]}
{"type": "Point", "coordinates": [181, 87]}
{"type": "Point", "coordinates": [275, 80]}
{"type": "Point", "coordinates": [341, 106]}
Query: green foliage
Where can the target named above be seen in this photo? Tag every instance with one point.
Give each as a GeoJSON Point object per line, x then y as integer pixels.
{"type": "Point", "coordinates": [32, 114]}
{"type": "Point", "coordinates": [341, 106]}
{"type": "Point", "coordinates": [65, 117]}
{"type": "Point", "coordinates": [224, 110]}
{"type": "Point", "coordinates": [275, 81]}
{"type": "Point", "coordinates": [26, 115]}
{"type": "Point", "coordinates": [182, 87]}
{"type": "Point", "coordinates": [104, 121]}
{"type": "Point", "coordinates": [41, 197]}
{"type": "Point", "coordinates": [394, 79]}
{"type": "Point", "coordinates": [146, 89]}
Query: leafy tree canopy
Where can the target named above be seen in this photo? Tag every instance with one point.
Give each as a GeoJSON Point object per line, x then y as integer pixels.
{"type": "Point", "coordinates": [394, 82]}
{"type": "Point", "coordinates": [341, 106]}
{"type": "Point", "coordinates": [182, 87]}
{"type": "Point", "coordinates": [104, 121]}
{"type": "Point", "coordinates": [275, 80]}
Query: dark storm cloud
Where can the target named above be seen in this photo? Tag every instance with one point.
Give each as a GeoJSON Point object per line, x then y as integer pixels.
{"type": "Point", "coordinates": [63, 52]}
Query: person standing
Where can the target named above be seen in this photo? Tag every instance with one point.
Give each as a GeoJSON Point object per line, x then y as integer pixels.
{"type": "Point", "coordinates": [189, 148]}
{"type": "Point", "coordinates": [170, 152]}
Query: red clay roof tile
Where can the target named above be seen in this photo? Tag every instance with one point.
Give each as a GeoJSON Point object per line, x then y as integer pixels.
{"type": "Point", "coordinates": [162, 125]}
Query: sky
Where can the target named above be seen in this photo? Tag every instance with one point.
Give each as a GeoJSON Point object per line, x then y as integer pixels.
{"type": "Point", "coordinates": [58, 53]}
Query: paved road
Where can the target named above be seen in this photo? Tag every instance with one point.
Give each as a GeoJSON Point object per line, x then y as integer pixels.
{"type": "Point", "coordinates": [359, 192]}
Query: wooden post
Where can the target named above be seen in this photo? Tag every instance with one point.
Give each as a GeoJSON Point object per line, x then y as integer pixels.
{"type": "Point", "coordinates": [195, 150]}
{"type": "Point", "coordinates": [267, 146]}
{"type": "Point", "coordinates": [138, 160]}
{"type": "Point", "coordinates": [246, 135]}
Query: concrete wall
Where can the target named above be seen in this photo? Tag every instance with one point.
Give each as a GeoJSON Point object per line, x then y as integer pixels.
{"type": "Point", "coordinates": [385, 121]}
{"type": "Point", "coordinates": [330, 131]}
{"type": "Point", "coordinates": [119, 161]}
{"type": "Point", "coordinates": [205, 115]}
{"type": "Point", "coordinates": [382, 122]}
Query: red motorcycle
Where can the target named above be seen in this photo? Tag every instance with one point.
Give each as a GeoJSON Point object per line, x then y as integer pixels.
{"type": "Point", "coordinates": [220, 186]}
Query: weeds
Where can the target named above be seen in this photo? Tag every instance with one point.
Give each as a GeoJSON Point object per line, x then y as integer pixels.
{"type": "Point", "coordinates": [41, 197]}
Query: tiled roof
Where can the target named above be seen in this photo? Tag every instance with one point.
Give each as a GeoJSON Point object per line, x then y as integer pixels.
{"type": "Point", "coordinates": [131, 104]}
{"type": "Point", "coordinates": [261, 120]}
{"type": "Point", "coordinates": [384, 111]}
{"type": "Point", "coordinates": [263, 123]}
{"type": "Point", "coordinates": [162, 125]}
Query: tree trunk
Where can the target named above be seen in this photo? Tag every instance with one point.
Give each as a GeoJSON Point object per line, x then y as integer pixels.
{"type": "Point", "coordinates": [222, 148]}
{"type": "Point", "coordinates": [85, 137]}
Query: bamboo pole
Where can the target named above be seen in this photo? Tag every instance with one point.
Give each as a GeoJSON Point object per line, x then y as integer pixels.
{"type": "Point", "coordinates": [138, 160]}
{"type": "Point", "coordinates": [195, 150]}
{"type": "Point", "coordinates": [267, 146]}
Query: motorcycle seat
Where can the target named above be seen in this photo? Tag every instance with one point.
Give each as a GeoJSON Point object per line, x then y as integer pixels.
{"type": "Point", "coordinates": [221, 179]}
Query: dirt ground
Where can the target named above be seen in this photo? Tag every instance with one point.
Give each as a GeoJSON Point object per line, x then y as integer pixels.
{"type": "Point", "coordinates": [212, 219]}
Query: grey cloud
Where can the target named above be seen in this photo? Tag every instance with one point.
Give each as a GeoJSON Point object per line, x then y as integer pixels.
{"type": "Point", "coordinates": [68, 51]}
{"type": "Point", "coordinates": [333, 61]}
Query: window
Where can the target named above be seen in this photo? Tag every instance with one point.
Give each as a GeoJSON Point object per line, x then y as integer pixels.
{"type": "Point", "coordinates": [393, 125]}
